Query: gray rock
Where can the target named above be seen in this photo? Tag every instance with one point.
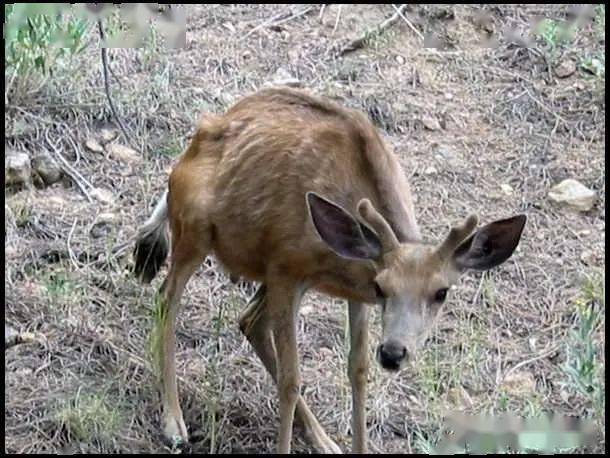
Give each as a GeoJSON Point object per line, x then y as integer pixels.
{"type": "Point", "coordinates": [46, 168]}
{"type": "Point", "coordinates": [17, 168]}
{"type": "Point", "coordinates": [573, 194]}
{"type": "Point", "coordinates": [565, 69]}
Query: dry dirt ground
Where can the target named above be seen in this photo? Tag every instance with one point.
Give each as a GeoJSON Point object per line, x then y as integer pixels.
{"type": "Point", "coordinates": [465, 120]}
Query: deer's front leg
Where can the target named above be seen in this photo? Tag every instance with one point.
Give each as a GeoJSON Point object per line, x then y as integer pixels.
{"type": "Point", "coordinates": [358, 372]}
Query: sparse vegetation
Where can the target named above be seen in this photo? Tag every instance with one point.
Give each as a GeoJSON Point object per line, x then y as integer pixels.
{"type": "Point", "coordinates": [90, 418]}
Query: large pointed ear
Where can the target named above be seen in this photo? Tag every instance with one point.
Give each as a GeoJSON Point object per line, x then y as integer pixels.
{"type": "Point", "coordinates": [491, 245]}
{"type": "Point", "coordinates": [341, 231]}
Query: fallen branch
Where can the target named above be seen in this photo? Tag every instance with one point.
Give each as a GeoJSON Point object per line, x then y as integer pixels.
{"type": "Point", "coordinates": [107, 85]}
{"type": "Point", "coordinates": [279, 19]}
{"type": "Point", "coordinates": [80, 181]}
{"type": "Point", "coordinates": [360, 42]}
{"type": "Point", "coordinates": [411, 26]}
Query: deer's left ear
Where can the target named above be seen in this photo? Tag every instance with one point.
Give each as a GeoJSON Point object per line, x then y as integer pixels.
{"type": "Point", "coordinates": [491, 245]}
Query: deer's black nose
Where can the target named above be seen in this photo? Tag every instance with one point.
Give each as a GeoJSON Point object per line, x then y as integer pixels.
{"type": "Point", "coordinates": [391, 354]}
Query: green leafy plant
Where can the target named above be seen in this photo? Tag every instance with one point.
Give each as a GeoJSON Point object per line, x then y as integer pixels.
{"type": "Point", "coordinates": [556, 36]}
{"type": "Point", "coordinates": [36, 34]}
{"type": "Point", "coordinates": [583, 365]}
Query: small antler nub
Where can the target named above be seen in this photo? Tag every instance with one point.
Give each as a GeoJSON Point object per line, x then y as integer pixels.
{"type": "Point", "coordinates": [379, 224]}
{"type": "Point", "coordinates": [457, 235]}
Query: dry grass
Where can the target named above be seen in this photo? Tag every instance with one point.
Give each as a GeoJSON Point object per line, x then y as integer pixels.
{"type": "Point", "coordinates": [501, 345]}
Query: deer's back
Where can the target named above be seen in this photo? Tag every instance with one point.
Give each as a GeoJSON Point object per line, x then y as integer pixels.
{"type": "Point", "coordinates": [252, 167]}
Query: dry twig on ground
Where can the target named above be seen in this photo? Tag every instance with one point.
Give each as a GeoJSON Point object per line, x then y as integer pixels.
{"type": "Point", "coordinates": [360, 41]}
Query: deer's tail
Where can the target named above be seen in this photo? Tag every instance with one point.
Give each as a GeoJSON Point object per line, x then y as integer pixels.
{"type": "Point", "coordinates": [152, 244]}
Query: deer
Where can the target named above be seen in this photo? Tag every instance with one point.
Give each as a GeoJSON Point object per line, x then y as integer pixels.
{"type": "Point", "coordinates": [294, 191]}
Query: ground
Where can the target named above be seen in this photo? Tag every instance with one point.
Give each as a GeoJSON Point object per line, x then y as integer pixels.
{"type": "Point", "coordinates": [477, 129]}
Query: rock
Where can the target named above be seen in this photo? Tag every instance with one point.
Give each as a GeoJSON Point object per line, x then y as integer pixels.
{"type": "Point", "coordinates": [283, 78]}
{"type": "Point", "coordinates": [565, 69]}
{"type": "Point", "coordinates": [107, 135]}
{"type": "Point", "coordinates": [430, 170]}
{"type": "Point", "coordinates": [103, 195]}
{"type": "Point", "coordinates": [573, 194]}
{"type": "Point", "coordinates": [447, 157]}
{"type": "Point", "coordinates": [587, 257]}
{"type": "Point", "coordinates": [123, 153]}
{"type": "Point", "coordinates": [46, 168]}
{"type": "Point", "coordinates": [448, 96]}
{"type": "Point", "coordinates": [431, 123]}
{"type": "Point", "coordinates": [103, 224]}
{"type": "Point", "coordinates": [506, 189]}
{"type": "Point", "coordinates": [93, 145]}
{"type": "Point", "coordinates": [520, 383]}
{"type": "Point", "coordinates": [17, 168]}
{"type": "Point", "coordinates": [400, 60]}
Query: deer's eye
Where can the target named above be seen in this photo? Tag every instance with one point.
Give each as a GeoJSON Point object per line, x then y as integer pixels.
{"type": "Point", "coordinates": [440, 295]}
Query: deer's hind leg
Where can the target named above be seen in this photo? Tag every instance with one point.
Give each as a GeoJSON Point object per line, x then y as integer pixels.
{"type": "Point", "coordinates": [189, 249]}
{"type": "Point", "coordinates": [256, 326]}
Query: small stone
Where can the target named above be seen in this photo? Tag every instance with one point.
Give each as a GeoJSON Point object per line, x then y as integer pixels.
{"type": "Point", "coordinates": [447, 156]}
{"type": "Point", "coordinates": [448, 96]}
{"type": "Point", "coordinates": [573, 194]}
{"type": "Point", "coordinates": [430, 170]}
{"type": "Point", "coordinates": [103, 195]}
{"type": "Point", "coordinates": [103, 224]}
{"type": "Point", "coordinates": [520, 383]}
{"type": "Point", "coordinates": [107, 135]}
{"type": "Point", "coordinates": [431, 123]}
{"type": "Point", "coordinates": [283, 78]}
{"type": "Point", "coordinates": [506, 189]}
{"type": "Point", "coordinates": [93, 145]}
{"type": "Point", "coordinates": [587, 257]}
{"type": "Point", "coordinates": [123, 153]}
{"type": "Point", "coordinates": [565, 69]}
{"type": "Point", "coordinates": [17, 168]}
{"type": "Point", "coordinates": [400, 60]}
{"type": "Point", "coordinates": [109, 218]}
{"type": "Point", "coordinates": [46, 168]}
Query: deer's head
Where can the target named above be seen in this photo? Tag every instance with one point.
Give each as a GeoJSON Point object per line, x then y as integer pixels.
{"type": "Point", "coordinates": [412, 279]}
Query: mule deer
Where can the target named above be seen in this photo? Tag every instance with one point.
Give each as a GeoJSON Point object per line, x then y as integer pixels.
{"type": "Point", "coordinates": [296, 192]}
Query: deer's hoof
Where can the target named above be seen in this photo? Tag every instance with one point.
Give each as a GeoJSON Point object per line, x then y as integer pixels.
{"type": "Point", "coordinates": [174, 433]}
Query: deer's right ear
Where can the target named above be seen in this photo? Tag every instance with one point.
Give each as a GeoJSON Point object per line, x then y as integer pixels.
{"type": "Point", "coordinates": [341, 231]}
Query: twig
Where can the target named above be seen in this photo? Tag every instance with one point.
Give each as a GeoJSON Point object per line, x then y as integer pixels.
{"type": "Point", "coordinates": [531, 360]}
{"type": "Point", "coordinates": [359, 42]}
{"type": "Point", "coordinates": [279, 19]}
{"type": "Point", "coordinates": [67, 168]}
{"type": "Point", "coordinates": [294, 16]}
{"type": "Point", "coordinates": [411, 26]}
{"type": "Point", "coordinates": [337, 21]}
{"type": "Point", "coordinates": [322, 8]}
{"type": "Point", "coordinates": [73, 258]}
{"type": "Point", "coordinates": [107, 85]}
